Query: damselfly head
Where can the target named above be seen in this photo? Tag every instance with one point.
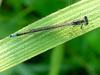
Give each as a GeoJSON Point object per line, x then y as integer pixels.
{"type": "Point", "coordinates": [86, 20]}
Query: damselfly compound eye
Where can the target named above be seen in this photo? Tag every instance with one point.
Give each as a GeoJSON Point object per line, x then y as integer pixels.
{"type": "Point", "coordinates": [86, 20]}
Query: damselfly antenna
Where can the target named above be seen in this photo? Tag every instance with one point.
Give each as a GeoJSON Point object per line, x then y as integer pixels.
{"type": "Point", "coordinates": [82, 22]}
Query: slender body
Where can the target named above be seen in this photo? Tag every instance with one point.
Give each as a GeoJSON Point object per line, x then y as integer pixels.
{"type": "Point", "coordinates": [82, 22]}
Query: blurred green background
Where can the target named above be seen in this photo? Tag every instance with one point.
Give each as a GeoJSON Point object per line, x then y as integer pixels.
{"type": "Point", "coordinates": [80, 56]}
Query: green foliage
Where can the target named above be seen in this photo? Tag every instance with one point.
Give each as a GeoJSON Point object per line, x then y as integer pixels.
{"type": "Point", "coordinates": [79, 54]}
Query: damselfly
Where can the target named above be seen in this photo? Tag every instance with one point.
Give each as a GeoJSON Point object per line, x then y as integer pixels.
{"type": "Point", "coordinates": [82, 22]}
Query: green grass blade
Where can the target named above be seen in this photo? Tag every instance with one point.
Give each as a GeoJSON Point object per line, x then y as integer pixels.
{"type": "Point", "coordinates": [16, 50]}
{"type": "Point", "coordinates": [0, 2]}
{"type": "Point", "coordinates": [56, 60]}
